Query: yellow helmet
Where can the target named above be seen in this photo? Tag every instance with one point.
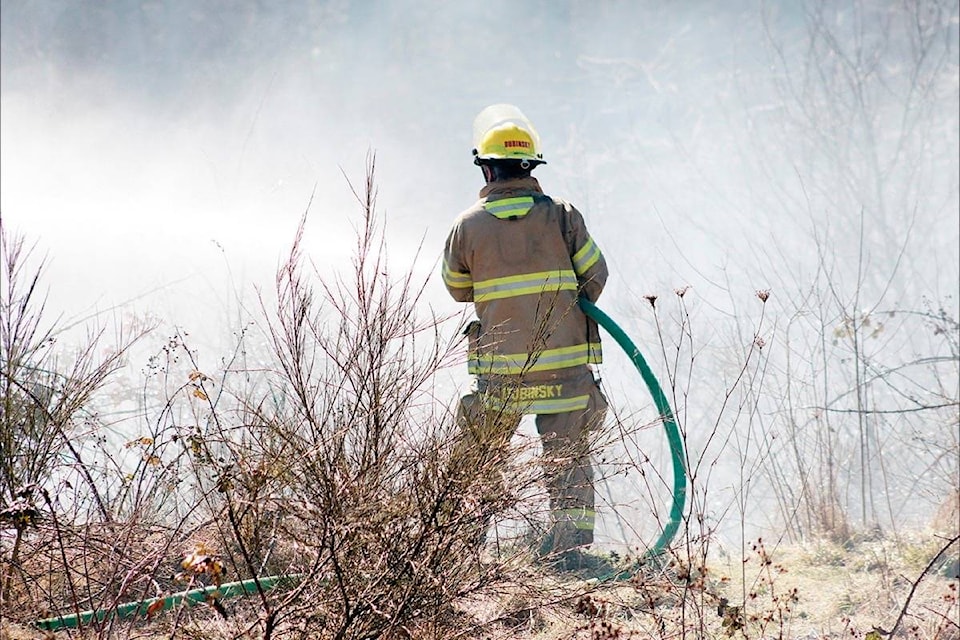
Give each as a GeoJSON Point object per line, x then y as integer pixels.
{"type": "Point", "coordinates": [502, 132]}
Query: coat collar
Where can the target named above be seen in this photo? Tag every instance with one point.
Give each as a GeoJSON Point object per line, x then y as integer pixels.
{"type": "Point", "coordinates": [508, 188]}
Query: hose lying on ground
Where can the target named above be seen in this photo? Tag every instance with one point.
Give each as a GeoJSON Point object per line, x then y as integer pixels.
{"type": "Point", "coordinates": [155, 605]}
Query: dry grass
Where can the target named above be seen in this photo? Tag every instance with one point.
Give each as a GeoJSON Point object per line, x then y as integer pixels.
{"type": "Point", "coordinates": [813, 591]}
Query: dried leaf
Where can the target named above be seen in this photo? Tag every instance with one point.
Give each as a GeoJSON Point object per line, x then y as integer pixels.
{"type": "Point", "coordinates": [198, 393]}
{"type": "Point", "coordinates": [200, 562]}
{"type": "Point", "coordinates": [155, 607]}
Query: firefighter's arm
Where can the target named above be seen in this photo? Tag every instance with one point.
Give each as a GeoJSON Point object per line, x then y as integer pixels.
{"type": "Point", "coordinates": [456, 273]}
{"type": "Point", "coordinates": [588, 260]}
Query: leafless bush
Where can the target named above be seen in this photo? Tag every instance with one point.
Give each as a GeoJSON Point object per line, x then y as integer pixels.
{"type": "Point", "coordinates": [334, 466]}
{"type": "Point", "coordinates": [326, 459]}
{"type": "Point", "coordinates": [55, 509]}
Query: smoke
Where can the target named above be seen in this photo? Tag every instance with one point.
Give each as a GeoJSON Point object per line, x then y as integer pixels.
{"type": "Point", "coordinates": [164, 152]}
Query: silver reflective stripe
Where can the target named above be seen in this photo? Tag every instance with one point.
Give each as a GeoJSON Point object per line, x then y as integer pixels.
{"type": "Point", "coordinates": [524, 284]}
{"type": "Point", "coordinates": [586, 257]}
{"type": "Point", "coordinates": [456, 279]}
{"type": "Point", "coordinates": [516, 363]}
{"type": "Point", "coordinates": [539, 407]}
{"type": "Point", "coordinates": [509, 207]}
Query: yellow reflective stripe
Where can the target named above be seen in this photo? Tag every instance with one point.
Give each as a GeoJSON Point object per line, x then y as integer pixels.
{"type": "Point", "coordinates": [473, 366]}
{"type": "Point", "coordinates": [596, 353]}
{"type": "Point", "coordinates": [581, 517]}
{"type": "Point", "coordinates": [516, 363]}
{"type": "Point", "coordinates": [586, 257]}
{"type": "Point", "coordinates": [561, 405]}
{"type": "Point", "coordinates": [456, 279]}
{"type": "Point", "coordinates": [524, 284]}
{"type": "Point", "coordinates": [509, 207]}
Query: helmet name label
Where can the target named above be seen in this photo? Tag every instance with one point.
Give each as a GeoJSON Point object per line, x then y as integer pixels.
{"type": "Point", "coordinates": [502, 132]}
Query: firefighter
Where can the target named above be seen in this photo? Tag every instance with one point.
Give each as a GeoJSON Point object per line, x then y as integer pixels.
{"type": "Point", "coordinates": [523, 258]}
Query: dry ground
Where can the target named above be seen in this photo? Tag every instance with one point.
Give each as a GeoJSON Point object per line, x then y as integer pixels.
{"type": "Point", "coordinates": [815, 591]}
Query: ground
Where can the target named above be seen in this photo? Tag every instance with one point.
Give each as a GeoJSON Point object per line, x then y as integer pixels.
{"type": "Point", "coordinates": [814, 591]}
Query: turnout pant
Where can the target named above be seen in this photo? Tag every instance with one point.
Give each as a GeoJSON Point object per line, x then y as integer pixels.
{"type": "Point", "coordinates": [484, 445]}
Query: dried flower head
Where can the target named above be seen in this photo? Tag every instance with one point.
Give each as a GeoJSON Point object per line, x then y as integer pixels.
{"type": "Point", "coordinates": [681, 291]}
{"type": "Point", "coordinates": [759, 341]}
{"type": "Point", "coordinates": [652, 299]}
{"type": "Point", "coordinates": [763, 294]}
{"type": "Point", "coordinates": [201, 561]}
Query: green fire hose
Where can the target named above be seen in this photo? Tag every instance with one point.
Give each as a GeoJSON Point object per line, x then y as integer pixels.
{"type": "Point", "coordinates": [669, 424]}
{"type": "Point", "coordinates": [155, 605]}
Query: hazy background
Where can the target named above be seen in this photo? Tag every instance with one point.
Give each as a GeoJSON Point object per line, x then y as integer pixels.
{"type": "Point", "coordinates": [161, 155]}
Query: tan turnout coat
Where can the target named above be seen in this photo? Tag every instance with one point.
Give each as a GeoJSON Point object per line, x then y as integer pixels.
{"type": "Point", "coordinates": [523, 258]}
